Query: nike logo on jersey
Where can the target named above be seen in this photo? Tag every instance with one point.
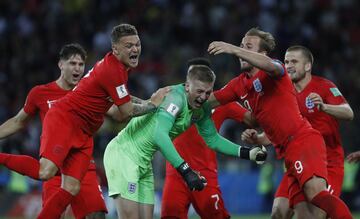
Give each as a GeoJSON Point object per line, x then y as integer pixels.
{"type": "Point", "coordinates": [243, 96]}
{"type": "Point", "coordinates": [50, 103]}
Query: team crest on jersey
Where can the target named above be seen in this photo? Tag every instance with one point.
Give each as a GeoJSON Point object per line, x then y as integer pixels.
{"type": "Point", "coordinates": [257, 85]}
{"type": "Point", "coordinates": [131, 187]}
{"type": "Point", "coordinates": [309, 103]}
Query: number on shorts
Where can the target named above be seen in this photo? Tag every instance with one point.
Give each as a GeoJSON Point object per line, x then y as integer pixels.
{"type": "Point", "coordinates": [216, 196]}
{"type": "Point", "coordinates": [298, 166]}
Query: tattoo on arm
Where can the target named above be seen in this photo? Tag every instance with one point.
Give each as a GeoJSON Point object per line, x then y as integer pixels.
{"type": "Point", "coordinates": [144, 108]}
{"type": "Point", "coordinates": [137, 100]}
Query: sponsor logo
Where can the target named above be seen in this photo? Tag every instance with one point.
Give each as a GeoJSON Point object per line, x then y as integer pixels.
{"type": "Point", "coordinates": [131, 187]}
{"type": "Point", "coordinates": [173, 109]}
{"type": "Point", "coordinates": [243, 96]}
{"type": "Point", "coordinates": [121, 91]}
{"type": "Point", "coordinates": [50, 103]}
{"type": "Point", "coordinates": [257, 85]}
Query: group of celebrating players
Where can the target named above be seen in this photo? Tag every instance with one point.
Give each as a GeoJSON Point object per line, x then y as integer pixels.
{"type": "Point", "coordinates": [283, 104]}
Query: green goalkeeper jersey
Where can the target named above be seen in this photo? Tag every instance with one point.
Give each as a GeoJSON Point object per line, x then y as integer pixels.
{"type": "Point", "coordinates": [146, 134]}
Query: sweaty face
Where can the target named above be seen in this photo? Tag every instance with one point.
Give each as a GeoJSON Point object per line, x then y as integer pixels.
{"type": "Point", "coordinates": [128, 50]}
{"type": "Point", "coordinates": [198, 92]}
{"type": "Point", "coordinates": [295, 64]}
{"type": "Point", "coordinates": [72, 69]}
{"type": "Point", "coordinates": [251, 43]}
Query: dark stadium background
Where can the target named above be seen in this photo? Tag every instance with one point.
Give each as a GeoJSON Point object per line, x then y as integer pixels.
{"type": "Point", "coordinates": [172, 31]}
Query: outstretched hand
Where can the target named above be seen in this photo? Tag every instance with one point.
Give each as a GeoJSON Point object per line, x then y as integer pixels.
{"type": "Point", "coordinates": [218, 47]}
{"type": "Point", "coordinates": [157, 97]}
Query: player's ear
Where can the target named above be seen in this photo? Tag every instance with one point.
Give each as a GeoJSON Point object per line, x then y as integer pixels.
{"type": "Point", "coordinates": [60, 64]}
{"type": "Point", "coordinates": [114, 49]}
{"type": "Point", "coordinates": [308, 67]}
{"type": "Point", "coordinates": [187, 86]}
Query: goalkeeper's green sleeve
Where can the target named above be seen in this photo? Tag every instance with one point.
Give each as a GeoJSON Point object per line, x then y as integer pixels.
{"type": "Point", "coordinates": [214, 140]}
{"type": "Point", "coordinates": [164, 123]}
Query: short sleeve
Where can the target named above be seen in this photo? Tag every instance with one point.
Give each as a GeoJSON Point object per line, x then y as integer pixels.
{"type": "Point", "coordinates": [30, 106]}
{"type": "Point", "coordinates": [332, 94]}
{"type": "Point", "coordinates": [114, 81]}
{"type": "Point", "coordinates": [227, 94]}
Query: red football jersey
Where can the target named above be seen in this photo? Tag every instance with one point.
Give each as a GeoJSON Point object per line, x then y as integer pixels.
{"type": "Point", "coordinates": [103, 86]}
{"type": "Point", "coordinates": [192, 148]}
{"type": "Point", "coordinates": [41, 98]}
{"type": "Point", "coordinates": [272, 100]}
{"type": "Point", "coordinates": [327, 125]}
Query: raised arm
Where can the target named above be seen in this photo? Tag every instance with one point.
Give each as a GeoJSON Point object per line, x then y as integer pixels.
{"type": "Point", "coordinates": [14, 124]}
{"type": "Point", "coordinates": [258, 60]}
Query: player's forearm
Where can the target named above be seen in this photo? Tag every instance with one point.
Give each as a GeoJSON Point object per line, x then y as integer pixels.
{"type": "Point", "coordinates": [263, 139]}
{"type": "Point", "coordinates": [213, 102]}
{"type": "Point", "coordinates": [167, 148]}
{"type": "Point", "coordinates": [259, 60]}
{"type": "Point", "coordinates": [343, 111]}
{"type": "Point", "coordinates": [137, 100]}
{"type": "Point", "coordinates": [222, 145]}
{"type": "Point", "coordinates": [10, 127]}
{"type": "Point", "coordinates": [143, 108]}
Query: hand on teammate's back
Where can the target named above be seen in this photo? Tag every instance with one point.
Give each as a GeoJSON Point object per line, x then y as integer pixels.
{"type": "Point", "coordinates": [194, 180]}
{"type": "Point", "coordinates": [157, 97]}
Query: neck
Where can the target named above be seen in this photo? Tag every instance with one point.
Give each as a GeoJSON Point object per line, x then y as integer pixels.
{"type": "Point", "coordinates": [63, 84]}
{"type": "Point", "coordinates": [118, 58]}
{"type": "Point", "coordinates": [300, 85]}
{"type": "Point", "coordinates": [253, 71]}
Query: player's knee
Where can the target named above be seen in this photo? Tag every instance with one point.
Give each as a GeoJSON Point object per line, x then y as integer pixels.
{"type": "Point", "coordinates": [276, 213]}
{"type": "Point", "coordinates": [96, 215]}
{"type": "Point", "coordinates": [313, 186]}
{"type": "Point", "coordinates": [71, 185]}
{"type": "Point", "coordinates": [47, 169]}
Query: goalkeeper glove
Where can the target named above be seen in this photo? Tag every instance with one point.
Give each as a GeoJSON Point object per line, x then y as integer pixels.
{"type": "Point", "coordinates": [256, 153]}
{"type": "Point", "coordinates": [192, 178]}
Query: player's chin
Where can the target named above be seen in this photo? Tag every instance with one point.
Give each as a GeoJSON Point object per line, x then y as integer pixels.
{"type": "Point", "coordinates": [133, 63]}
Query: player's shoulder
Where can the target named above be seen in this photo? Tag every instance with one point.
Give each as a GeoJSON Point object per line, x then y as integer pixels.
{"type": "Point", "coordinates": [42, 87]}
{"type": "Point", "coordinates": [317, 80]}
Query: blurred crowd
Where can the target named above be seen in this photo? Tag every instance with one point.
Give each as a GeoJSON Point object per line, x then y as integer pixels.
{"type": "Point", "coordinates": [171, 31]}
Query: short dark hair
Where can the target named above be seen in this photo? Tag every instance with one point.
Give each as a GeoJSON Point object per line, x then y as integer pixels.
{"type": "Point", "coordinates": [69, 50]}
{"type": "Point", "coordinates": [199, 61]}
{"type": "Point", "coordinates": [202, 73]}
{"type": "Point", "coordinates": [305, 51]}
{"type": "Point", "coordinates": [122, 30]}
{"type": "Point", "coordinates": [267, 40]}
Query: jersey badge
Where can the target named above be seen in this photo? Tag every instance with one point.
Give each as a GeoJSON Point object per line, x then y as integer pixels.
{"type": "Point", "coordinates": [257, 85]}
{"type": "Point", "coordinates": [172, 109]}
{"type": "Point", "coordinates": [121, 91]}
{"type": "Point", "coordinates": [309, 103]}
{"type": "Point", "coordinates": [131, 187]}
{"type": "Point", "coordinates": [335, 91]}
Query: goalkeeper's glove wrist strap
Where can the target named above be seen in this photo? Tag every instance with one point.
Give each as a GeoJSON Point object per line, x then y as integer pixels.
{"type": "Point", "coordinates": [244, 152]}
